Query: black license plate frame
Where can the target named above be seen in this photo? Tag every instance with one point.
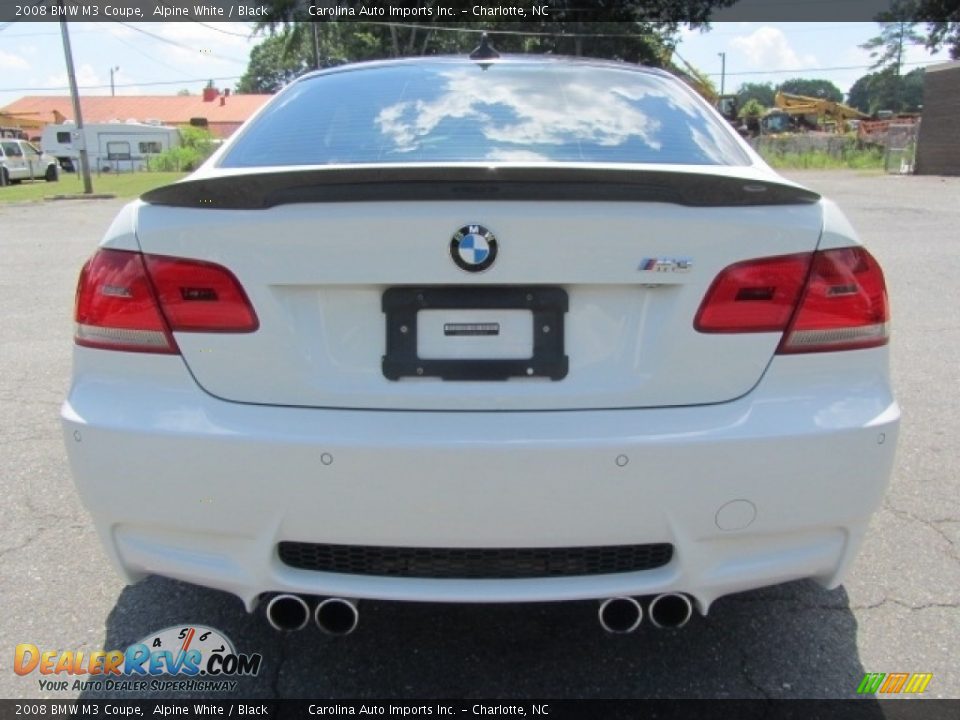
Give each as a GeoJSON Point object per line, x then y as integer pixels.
{"type": "Point", "coordinates": [548, 305]}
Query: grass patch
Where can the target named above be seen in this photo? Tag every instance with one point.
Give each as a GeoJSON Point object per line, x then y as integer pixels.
{"type": "Point", "coordinates": [123, 185]}
{"type": "Point", "coordinates": [866, 159]}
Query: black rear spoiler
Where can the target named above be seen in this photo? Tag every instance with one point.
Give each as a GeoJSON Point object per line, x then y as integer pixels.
{"type": "Point", "coordinates": [258, 190]}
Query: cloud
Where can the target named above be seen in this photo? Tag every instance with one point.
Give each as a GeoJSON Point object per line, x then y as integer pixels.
{"type": "Point", "coordinates": [188, 44]}
{"type": "Point", "coordinates": [769, 49]}
{"type": "Point", "coordinates": [9, 61]}
{"type": "Point", "coordinates": [525, 114]}
{"type": "Point", "coordinates": [86, 78]}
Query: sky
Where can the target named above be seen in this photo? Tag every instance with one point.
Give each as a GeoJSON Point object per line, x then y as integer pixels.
{"type": "Point", "coordinates": [163, 58]}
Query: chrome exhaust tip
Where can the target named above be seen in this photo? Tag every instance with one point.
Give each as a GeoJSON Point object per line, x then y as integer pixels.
{"type": "Point", "coordinates": [670, 610]}
{"type": "Point", "coordinates": [620, 615]}
{"type": "Point", "coordinates": [337, 616]}
{"type": "Point", "coordinates": [288, 612]}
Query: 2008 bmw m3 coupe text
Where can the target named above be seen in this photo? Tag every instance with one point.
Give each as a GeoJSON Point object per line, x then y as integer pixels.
{"type": "Point", "coordinates": [517, 329]}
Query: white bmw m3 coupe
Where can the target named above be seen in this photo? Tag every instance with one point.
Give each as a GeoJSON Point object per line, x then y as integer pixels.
{"type": "Point", "coordinates": [482, 330]}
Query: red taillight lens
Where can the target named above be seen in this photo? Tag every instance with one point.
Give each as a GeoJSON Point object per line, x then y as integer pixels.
{"type": "Point", "coordinates": [754, 296]}
{"type": "Point", "coordinates": [824, 301]}
{"type": "Point", "coordinates": [844, 306]}
{"type": "Point", "coordinates": [128, 301]}
{"type": "Point", "coordinates": [116, 307]}
{"type": "Point", "coordinates": [200, 297]}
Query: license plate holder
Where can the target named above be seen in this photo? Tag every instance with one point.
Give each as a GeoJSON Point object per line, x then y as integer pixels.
{"type": "Point", "coordinates": [548, 305]}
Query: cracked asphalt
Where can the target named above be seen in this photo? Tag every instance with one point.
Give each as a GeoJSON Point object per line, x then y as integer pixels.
{"type": "Point", "coordinates": [898, 610]}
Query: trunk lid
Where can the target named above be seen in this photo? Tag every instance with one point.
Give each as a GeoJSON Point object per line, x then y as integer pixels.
{"type": "Point", "coordinates": [634, 260]}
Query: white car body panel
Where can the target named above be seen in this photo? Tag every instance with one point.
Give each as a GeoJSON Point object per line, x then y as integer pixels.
{"type": "Point", "coordinates": [758, 468]}
{"type": "Point", "coordinates": [629, 332]}
{"type": "Point", "coordinates": [207, 488]}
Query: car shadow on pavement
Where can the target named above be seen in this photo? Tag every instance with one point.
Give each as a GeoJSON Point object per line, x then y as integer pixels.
{"type": "Point", "coordinates": [791, 641]}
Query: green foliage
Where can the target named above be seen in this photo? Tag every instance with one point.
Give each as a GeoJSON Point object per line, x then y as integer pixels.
{"type": "Point", "coordinates": [812, 87]}
{"type": "Point", "coordinates": [860, 95]}
{"type": "Point", "coordinates": [121, 184]}
{"type": "Point", "coordinates": [886, 91]}
{"type": "Point", "coordinates": [628, 30]}
{"type": "Point", "coordinates": [761, 92]}
{"type": "Point", "coordinates": [896, 31]}
{"type": "Point", "coordinates": [851, 156]}
{"type": "Point", "coordinates": [197, 138]}
{"type": "Point", "coordinates": [274, 62]}
{"type": "Point", "coordinates": [941, 18]}
{"type": "Point", "coordinates": [752, 108]}
{"type": "Point", "coordinates": [940, 33]}
{"type": "Point", "coordinates": [196, 145]}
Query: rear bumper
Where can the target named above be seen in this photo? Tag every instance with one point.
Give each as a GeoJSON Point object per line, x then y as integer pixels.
{"type": "Point", "coordinates": [774, 486]}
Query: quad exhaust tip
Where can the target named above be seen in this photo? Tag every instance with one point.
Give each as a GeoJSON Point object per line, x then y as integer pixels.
{"type": "Point", "coordinates": [670, 610]}
{"type": "Point", "coordinates": [337, 616]}
{"type": "Point", "coordinates": [288, 612]}
{"type": "Point", "coordinates": [620, 615]}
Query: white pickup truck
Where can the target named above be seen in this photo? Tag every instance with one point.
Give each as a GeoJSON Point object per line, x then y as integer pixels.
{"type": "Point", "coordinates": [21, 160]}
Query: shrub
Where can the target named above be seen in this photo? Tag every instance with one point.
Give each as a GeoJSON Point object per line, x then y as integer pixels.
{"type": "Point", "coordinates": [196, 145]}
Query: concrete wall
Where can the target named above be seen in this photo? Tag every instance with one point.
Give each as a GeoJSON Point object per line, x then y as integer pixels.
{"type": "Point", "coordinates": [938, 147]}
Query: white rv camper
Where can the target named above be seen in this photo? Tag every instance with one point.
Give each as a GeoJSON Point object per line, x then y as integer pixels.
{"type": "Point", "coordinates": [111, 147]}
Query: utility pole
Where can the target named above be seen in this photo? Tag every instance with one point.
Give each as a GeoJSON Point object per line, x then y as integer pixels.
{"type": "Point", "coordinates": [112, 71]}
{"type": "Point", "coordinates": [723, 71]}
{"type": "Point", "coordinates": [77, 116]}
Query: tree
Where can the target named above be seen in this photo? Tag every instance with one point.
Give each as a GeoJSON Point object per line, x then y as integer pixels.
{"type": "Point", "coordinates": [876, 91]}
{"type": "Point", "coordinates": [629, 30]}
{"type": "Point", "coordinates": [761, 92]}
{"type": "Point", "coordinates": [752, 108]}
{"type": "Point", "coordinates": [817, 88]}
{"type": "Point", "coordinates": [896, 32]}
{"type": "Point", "coordinates": [911, 91]}
{"type": "Point", "coordinates": [861, 96]}
{"type": "Point", "coordinates": [942, 19]}
{"type": "Point", "coordinates": [887, 48]}
{"type": "Point", "coordinates": [274, 62]}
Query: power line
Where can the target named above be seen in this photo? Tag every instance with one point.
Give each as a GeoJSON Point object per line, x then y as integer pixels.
{"type": "Point", "coordinates": [246, 36]}
{"type": "Point", "coordinates": [816, 70]}
{"type": "Point", "coordinates": [119, 85]}
{"type": "Point", "coordinates": [149, 57]}
{"type": "Point", "coordinates": [44, 34]}
{"type": "Point", "coordinates": [807, 70]}
{"type": "Point", "coordinates": [175, 43]}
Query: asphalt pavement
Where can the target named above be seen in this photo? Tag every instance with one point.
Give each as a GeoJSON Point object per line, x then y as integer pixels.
{"type": "Point", "coordinates": [898, 611]}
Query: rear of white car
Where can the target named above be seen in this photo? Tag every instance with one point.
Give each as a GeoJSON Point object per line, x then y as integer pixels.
{"type": "Point", "coordinates": [527, 330]}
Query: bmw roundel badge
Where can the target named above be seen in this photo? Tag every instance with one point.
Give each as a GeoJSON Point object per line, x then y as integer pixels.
{"type": "Point", "coordinates": [473, 248]}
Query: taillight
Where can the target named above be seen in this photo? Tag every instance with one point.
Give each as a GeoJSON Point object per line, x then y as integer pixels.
{"type": "Point", "coordinates": [822, 301]}
{"type": "Point", "coordinates": [754, 296]}
{"type": "Point", "coordinates": [200, 297]}
{"type": "Point", "coordinates": [116, 307]}
{"type": "Point", "coordinates": [134, 302]}
{"type": "Point", "coordinates": [844, 305]}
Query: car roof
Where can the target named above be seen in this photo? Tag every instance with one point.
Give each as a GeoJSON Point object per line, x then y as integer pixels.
{"type": "Point", "coordinates": [504, 59]}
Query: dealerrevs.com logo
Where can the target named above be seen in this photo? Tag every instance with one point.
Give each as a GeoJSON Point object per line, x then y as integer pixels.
{"type": "Point", "coordinates": [199, 657]}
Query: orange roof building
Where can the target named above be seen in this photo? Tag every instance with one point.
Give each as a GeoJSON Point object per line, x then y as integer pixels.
{"type": "Point", "coordinates": [223, 111]}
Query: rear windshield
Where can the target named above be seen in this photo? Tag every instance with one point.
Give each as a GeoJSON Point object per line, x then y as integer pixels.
{"type": "Point", "coordinates": [510, 112]}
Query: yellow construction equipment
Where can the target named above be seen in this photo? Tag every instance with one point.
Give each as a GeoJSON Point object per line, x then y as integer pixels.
{"type": "Point", "coordinates": [725, 104]}
{"type": "Point", "coordinates": [16, 125]}
{"type": "Point", "coordinates": [794, 112]}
